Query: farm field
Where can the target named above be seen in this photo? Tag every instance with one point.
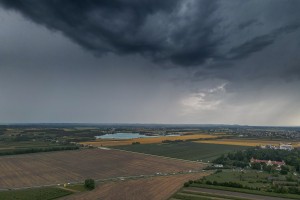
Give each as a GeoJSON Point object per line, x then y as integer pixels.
{"type": "Point", "coordinates": [158, 188]}
{"type": "Point", "coordinates": [75, 166]}
{"type": "Point", "coordinates": [115, 142]}
{"type": "Point", "coordinates": [246, 142]}
{"type": "Point", "coordinates": [193, 193]}
{"type": "Point", "coordinates": [184, 150]}
{"type": "Point", "coordinates": [34, 194]}
{"type": "Point", "coordinates": [251, 182]}
{"type": "Point", "coordinates": [250, 178]}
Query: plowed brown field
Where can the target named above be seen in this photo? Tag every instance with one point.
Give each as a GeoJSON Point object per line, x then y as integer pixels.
{"type": "Point", "coordinates": [75, 166]}
{"type": "Point", "coordinates": [158, 188]}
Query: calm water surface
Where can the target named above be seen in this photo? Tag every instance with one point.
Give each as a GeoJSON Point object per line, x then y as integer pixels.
{"type": "Point", "coordinates": [123, 136]}
{"type": "Point", "coordinates": [126, 136]}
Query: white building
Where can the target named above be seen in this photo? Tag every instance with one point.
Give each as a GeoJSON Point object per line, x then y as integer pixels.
{"type": "Point", "coordinates": [286, 147]}
{"type": "Point", "coordinates": [218, 165]}
{"type": "Point", "coordinates": [281, 146]}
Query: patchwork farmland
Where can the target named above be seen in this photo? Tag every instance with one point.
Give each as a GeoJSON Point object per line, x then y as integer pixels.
{"type": "Point", "coordinates": [116, 142]}
{"type": "Point", "coordinates": [75, 166]}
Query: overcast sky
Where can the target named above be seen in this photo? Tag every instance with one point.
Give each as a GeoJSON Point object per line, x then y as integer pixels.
{"type": "Point", "coordinates": [139, 61]}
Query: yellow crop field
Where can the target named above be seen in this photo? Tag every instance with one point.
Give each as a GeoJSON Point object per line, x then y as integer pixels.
{"type": "Point", "coordinates": [115, 142]}
{"type": "Point", "coordinates": [245, 142]}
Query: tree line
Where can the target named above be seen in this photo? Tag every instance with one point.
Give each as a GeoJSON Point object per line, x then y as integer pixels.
{"type": "Point", "coordinates": [35, 150]}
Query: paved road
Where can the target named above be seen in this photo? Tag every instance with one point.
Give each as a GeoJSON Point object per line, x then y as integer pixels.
{"type": "Point", "coordinates": [233, 194]}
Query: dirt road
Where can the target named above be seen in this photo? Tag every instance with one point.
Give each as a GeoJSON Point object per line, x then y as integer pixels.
{"type": "Point", "coordinates": [158, 188]}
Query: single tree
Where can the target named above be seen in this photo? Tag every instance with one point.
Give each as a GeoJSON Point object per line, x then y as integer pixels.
{"type": "Point", "coordinates": [89, 184]}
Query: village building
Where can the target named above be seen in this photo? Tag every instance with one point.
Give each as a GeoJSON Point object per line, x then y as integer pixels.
{"type": "Point", "coordinates": [218, 165]}
{"type": "Point", "coordinates": [281, 146]}
{"type": "Point", "coordinates": [269, 146]}
{"type": "Point", "coordinates": [267, 162]}
{"type": "Point", "coordinates": [288, 147]}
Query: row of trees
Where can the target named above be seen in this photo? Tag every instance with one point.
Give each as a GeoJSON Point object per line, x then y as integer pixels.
{"type": "Point", "coordinates": [270, 168]}
{"type": "Point", "coordinates": [225, 184]}
{"type": "Point", "coordinates": [171, 141]}
{"type": "Point", "coordinates": [35, 150]}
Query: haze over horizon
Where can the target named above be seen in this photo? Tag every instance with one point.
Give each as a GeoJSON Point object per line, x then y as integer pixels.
{"type": "Point", "coordinates": [168, 62]}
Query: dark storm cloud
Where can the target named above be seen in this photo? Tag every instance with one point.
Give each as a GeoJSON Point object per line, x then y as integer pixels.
{"type": "Point", "coordinates": [260, 42]}
{"type": "Point", "coordinates": [247, 24]}
{"type": "Point", "coordinates": [243, 55]}
{"type": "Point", "coordinates": [169, 30]}
{"type": "Point", "coordinates": [184, 32]}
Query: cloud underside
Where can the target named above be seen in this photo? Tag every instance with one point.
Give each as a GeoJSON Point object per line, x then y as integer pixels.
{"type": "Point", "coordinates": [182, 32]}
{"type": "Point", "coordinates": [182, 61]}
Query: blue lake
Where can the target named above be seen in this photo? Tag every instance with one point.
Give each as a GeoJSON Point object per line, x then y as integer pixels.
{"type": "Point", "coordinates": [126, 136]}
{"type": "Point", "coordinates": [123, 136]}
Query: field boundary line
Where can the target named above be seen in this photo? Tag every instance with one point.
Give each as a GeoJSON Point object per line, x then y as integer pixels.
{"type": "Point", "coordinates": [170, 158]}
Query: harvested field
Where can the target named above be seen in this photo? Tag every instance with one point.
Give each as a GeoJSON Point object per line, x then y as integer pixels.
{"type": "Point", "coordinates": [115, 142]}
{"type": "Point", "coordinates": [158, 188]}
{"type": "Point", "coordinates": [247, 142]}
{"type": "Point", "coordinates": [75, 166]}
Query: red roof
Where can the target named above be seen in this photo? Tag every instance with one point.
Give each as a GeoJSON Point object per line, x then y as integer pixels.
{"type": "Point", "coordinates": [267, 161]}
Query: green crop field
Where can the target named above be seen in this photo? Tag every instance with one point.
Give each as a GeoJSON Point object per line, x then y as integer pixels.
{"type": "Point", "coordinates": [183, 150]}
{"type": "Point", "coordinates": [34, 194]}
{"type": "Point", "coordinates": [251, 178]}
{"type": "Point", "coordinates": [245, 181]}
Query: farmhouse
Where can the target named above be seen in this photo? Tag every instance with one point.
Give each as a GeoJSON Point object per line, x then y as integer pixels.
{"type": "Point", "coordinates": [269, 146]}
{"type": "Point", "coordinates": [281, 146]}
{"type": "Point", "coordinates": [218, 165]}
{"type": "Point", "coordinates": [267, 162]}
{"type": "Point", "coordinates": [288, 147]}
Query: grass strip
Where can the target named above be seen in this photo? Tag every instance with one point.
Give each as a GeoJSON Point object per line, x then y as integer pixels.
{"type": "Point", "coordinates": [213, 195]}
{"type": "Point", "coordinates": [291, 196]}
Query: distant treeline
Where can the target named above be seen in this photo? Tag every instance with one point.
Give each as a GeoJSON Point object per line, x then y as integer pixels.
{"type": "Point", "coordinates": [36, 150]}
{"type": "Point", "coordinates": [134, 143]}
{"type": "Point", "coordinates": [171, 141]}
